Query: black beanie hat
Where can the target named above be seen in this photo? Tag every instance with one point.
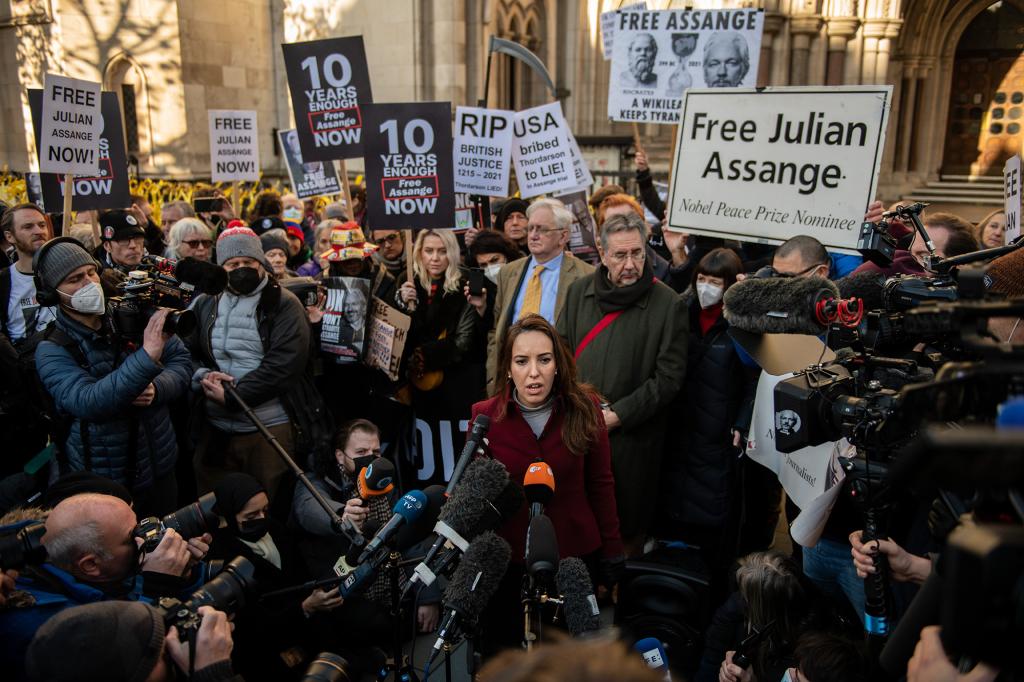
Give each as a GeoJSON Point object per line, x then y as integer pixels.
{"type": "Point", "coordinates": [233, 492]}
{"type": "Point", "coordinates": [513, 205]}
{"type": "Point", "coordinates": [116, 641]}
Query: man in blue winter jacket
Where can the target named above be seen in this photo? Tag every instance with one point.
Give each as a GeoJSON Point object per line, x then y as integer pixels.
{"type": "Point", "coordinates": [115, 393]}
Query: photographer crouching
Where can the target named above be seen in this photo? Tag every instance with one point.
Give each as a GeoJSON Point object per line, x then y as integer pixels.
{"type": "Point", "coordinates": [113, 389]}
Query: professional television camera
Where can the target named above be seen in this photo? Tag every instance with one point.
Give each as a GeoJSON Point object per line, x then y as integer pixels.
{"type": "Point", "coordinates": [163, 283]}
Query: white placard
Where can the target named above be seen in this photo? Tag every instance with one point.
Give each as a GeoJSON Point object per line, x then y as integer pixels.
{"type": "Point", "coordinates": [766, 166]}
{"type": "Point", "coordinates": [1012, 197]}
{"type": "Point", "coordinates": [482, 150]}
{"type": "Point", "coordinates": [234, 146]}
{"type": "Point", "coordinates": [657, 56]}
{"type": "Point", "coordinates": [72, 124]}
{"type": "Point", "coordinates": [541, 152]}
{"type": "Point", "coordinates": [584, 180]}
{"type": "Point", "coordinates": [608, 26]}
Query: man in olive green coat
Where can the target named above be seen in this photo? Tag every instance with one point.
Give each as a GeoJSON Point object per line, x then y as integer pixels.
{"type": "Point", "coordinates": [629, 333]}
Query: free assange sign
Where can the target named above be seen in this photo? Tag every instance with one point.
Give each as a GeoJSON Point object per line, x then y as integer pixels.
{"type": "Point", "coordinates": [767, 165]}
{"type": "Point", "coordinates": [69, 139]}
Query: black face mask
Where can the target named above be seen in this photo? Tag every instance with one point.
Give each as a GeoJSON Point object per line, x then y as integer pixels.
{"type": "Point", "coordinates": [243, 281]}
{"type": "Point", "coordinates": [253, 529]}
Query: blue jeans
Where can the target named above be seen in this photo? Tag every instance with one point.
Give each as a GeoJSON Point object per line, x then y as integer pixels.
{"type": "Point", "coordinates": [829, 566]}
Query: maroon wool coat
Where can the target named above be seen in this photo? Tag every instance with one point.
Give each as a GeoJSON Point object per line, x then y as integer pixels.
{"type": "Point", "coordinates": [583, 508]}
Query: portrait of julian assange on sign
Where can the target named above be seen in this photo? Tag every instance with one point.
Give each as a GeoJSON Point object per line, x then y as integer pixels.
{"type": "Point", "coordinates": [657, 56]}
{"type": "Point", "coordinates": [765, 166]}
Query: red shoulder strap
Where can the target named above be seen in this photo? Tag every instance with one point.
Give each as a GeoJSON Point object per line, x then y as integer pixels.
{"type": "Point", "coordinates": [597, 329]}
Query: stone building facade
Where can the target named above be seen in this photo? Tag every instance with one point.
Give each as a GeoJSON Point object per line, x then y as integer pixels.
{"type": "Point", "coordinates": [956, 67]}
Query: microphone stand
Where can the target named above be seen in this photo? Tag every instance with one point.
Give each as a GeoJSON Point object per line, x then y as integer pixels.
{"type": "Point", "coordinates": [401, 668]}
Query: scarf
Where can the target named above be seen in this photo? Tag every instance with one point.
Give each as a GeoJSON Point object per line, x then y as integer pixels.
{"type": "Point", "coordinates": [611, 298]}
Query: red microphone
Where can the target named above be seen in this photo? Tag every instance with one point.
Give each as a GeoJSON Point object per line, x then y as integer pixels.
{"type": "Point", "coordinates": [539, 486]}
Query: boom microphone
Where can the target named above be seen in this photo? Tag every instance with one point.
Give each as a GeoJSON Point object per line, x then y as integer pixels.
{"type": "Point", "coordinates": [539, 486]}
{"type": "Point", "coordinates": [471, 587]}
{"type": "Point", "coordinates": [780, 305]}
{"type": "Point", "coordinates": [408, 508]}
{"type": "Point", "coordinates": [474, 441]}
{"type": "Point", "coordinates": [206, 277]}
{"type": "Point", "coordinates": [867, 286]}
{"type": "Point", "coordinates": [582, 614]}
{"type": "Point", "coordinates": [653, 652]}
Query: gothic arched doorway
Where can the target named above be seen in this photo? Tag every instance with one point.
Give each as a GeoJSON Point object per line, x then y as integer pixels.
{"type": "Point", "coordinates": [986, 106]}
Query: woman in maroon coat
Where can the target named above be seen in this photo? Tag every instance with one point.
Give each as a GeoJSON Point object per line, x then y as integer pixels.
{"type": "Point", "coordinates": [540, 411]}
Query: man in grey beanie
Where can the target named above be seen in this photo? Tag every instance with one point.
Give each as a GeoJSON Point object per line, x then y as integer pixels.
{"type": "Point", "coordinates": [116, 394]}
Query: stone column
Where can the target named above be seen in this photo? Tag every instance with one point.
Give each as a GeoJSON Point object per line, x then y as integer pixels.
{"type": "Point", "coordinates": [908, 105]}
{"type": "Point", "coordinates": [874, 31]}
{"type": "Point", "coordinates": [802, 29]}
{"type": "Point", "coordinates": [840, 30]}
{"type": "Point", "coordinates": [773, 24]}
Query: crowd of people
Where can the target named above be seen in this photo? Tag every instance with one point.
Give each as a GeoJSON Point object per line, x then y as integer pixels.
{"type": "Point", "coordinates": [618, 373]}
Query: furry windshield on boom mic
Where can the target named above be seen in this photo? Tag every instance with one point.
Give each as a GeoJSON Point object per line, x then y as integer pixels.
{"type": "Point", "coordinates": [206, 277]}
{"type": "Point", "coordinates": [866, 286]}
{"type": "Point", "coordinates": [477, 577]}
{"type": "Point", "coordinates": [484, 478]}
{"type": "Point", "coordinates": [580, 605]}
{"type": "Point", "coordinates": [783, 305]}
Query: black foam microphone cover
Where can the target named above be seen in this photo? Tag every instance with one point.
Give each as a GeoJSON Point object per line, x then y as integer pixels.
{"type": "Point", "coordinates": [866, 286]}
{"type": "Point", "coordinates": [580, 605]}
{"type": "Point", "coordinates": [207, 277]}
{"type": "Point", "coordinates": [477, 577]}
{"type": "Point", "coordinates": [541, 547]}
{"type": "Point", "coordinates": [781, 305]}
{"type": "Point", "coordinates": [484, 478]}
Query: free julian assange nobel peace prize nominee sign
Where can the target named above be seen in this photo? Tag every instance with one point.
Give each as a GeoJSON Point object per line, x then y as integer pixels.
{"type": "Point", "coordinates": [766, 166]}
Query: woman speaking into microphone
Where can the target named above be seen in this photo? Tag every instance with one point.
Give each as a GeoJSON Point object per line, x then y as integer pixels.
{"type": "Point", "coordinates": [540, 411]}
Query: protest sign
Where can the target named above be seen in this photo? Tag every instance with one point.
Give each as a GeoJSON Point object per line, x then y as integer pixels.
{"type": "Point", "coordinates": [109, 188]}
{"type": "Point", "coordinates": [343, 330]}
{"type": "Point", "coordinates": [472, 210]}
{"type": "Point", "coordinates": [389, 329]}
{"type": "Point", "coordinates": [409, 177]}
{"type": "Point", "coordinates": [330, 83]}
{"type": "Point", "coordinates": [234, 146]}
{"type": "Point", "coordinates": [766, 165]}
{"type": "Point", "coordinates": [542, 153]}
{"type": "Point", "coordinates": [582, 235]}
{"type": "Point", "coordinates": [608, 26]}
{"type": "Point", "coordinates": [657, 56]}
{"type": "Point", "coordinates": [70, 126]}
{"type": "Point", "coordinates": [584, 180]}
{"type": "Point", "coordinates": [312, 179]}
{"type": "Point", "coordinates": [1012, 197]}
{"type": "Point", "coordinates": [483, 146]}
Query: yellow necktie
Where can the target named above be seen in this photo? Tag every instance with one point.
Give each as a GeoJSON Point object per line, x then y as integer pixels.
{"type": "Point", "coordinates": [531, 301]}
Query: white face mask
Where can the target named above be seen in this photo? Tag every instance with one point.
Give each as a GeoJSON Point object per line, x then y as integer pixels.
{"type": "Point", "coordinates": [491, 272]}
{"type": "Point", "coordinates": [708, 294]}
{"type": "Point", "coordinates": [88, 300]}
{"type": "Point", "coordinates": [292, 213]}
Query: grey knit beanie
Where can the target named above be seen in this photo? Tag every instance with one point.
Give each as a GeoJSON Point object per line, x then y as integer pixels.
{"type": "Point", "coordinates": [240, 241]}
{"type": "Point", "coordinates": [60, 260]}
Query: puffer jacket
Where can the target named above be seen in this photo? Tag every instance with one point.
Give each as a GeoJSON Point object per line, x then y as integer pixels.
{"type": "Point", "coordinates": [99, 397]}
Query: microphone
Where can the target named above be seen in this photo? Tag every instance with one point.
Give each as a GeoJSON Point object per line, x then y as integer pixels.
{"type": "Point", "coordinates": [474, 441]}
{"type": "Point", "coordinates": [408, 508]}
{"type": "Point", "coordinates": [539, 486]}
{"type": "Point", "coordinates": [541, 557]}
{"type": "Point", "coordinates": [867, 286]}
{"type": "Point", "coordinates": [413, 533]}
{"type": "Point", "coordinates": [582, 613]}
{"type": "Point", "coordinates": [378, 478]}
{"type": "Point", "coordinates": [653, 652]}
{"type": "Point", "coordinates": [781, 305]}
{"type": "Point", "coordinates": [206, 277]}
{"type": "Point", "coordinates": [471, 587]}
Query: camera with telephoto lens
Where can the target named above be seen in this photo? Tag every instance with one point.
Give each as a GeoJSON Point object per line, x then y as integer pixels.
{"type": "Point", "coordinates": [306, 289]}
{"type": "Point", "coordinates": [226, 592]}
{"type": "Point", "coordinates": [328, 667]}
{"type": "Point", "coordinates": [190, 521]}
{"type": "Point", "coordinates": [146, 289]}
{"type": "Point", "coordinates": [23, 547]}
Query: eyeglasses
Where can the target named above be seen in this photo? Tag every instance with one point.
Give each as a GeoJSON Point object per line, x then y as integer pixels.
{"type": "Point", "coordinates": [196, 243]}
{"type": "Point", "coordinates": [387, 239]}
{"type": "Point", "coordinates": [539, 229]}
{"type": "Point", "coordinates": [776, 273]}
{"type": "Point", "coordinates": [638, 256]}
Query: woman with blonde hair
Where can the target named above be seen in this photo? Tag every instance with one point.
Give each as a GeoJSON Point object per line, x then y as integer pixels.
{"type": "Point", "coordinates": [190, 237]}
{"type": "Point", "coordinates": [990, 231]}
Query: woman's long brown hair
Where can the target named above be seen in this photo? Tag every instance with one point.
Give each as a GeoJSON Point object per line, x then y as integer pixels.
{"type": "Point", "coordinates": [582, 421]}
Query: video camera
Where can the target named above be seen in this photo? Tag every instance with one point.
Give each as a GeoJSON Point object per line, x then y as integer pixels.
{"type": "Point", "coordinates": [23, 547]}
{"type": "Point", "coordinates": [190, 521]}
{"type": "Point", "coordinates": [227, 592]}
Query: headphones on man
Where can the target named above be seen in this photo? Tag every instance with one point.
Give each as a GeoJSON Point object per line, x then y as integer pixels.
{"type": "Point", "coordinates": [47, 296]}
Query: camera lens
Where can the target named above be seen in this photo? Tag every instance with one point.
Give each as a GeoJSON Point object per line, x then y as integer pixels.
{"type": "Point", "coordinates": [194, 519]}
{"type": "Point", "coordinates": [180, 322]}
{"type": "Point", "coordinates": [327, 667]}
{"type": "Point", "coordinates": [227, 591]}
{"type": "Point", "coordinates": [22, 548]}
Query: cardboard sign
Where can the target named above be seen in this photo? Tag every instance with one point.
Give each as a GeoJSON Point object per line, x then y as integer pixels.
{"type": "Point", "coordinates": [765, 166]}
{"type": "Point", "coordinates": [312, 179]}
{"type": "Point", "coordinates": [660, 55]}
{"type": "Point", "coordinates": [234, 146]}
{"type": "Point", "coordinates": [389, 329]}
{"type": "Point", "coordinates": [542, 153]}
{"type": "Point", "coordinates": [483, 148]}
{"type": "Point", "coordinates": [583, 234]}
{"type": "Point", "coordinates": [608, 26]}
{"type": "Point", "coordinates": [330, 84]}
{"type": "Point", "coordinates": [109, 188]}
{"type": "Point", "coordinates": [71, 125]}
{"type": "Point", "coordinates": [409, 177]}
{"type": "Point", "coordinates": [343, 330]}
{"type": "Point", "coordinates": [1012, 197]}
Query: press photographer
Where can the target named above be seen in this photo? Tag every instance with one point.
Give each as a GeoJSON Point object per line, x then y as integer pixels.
{"type": "Point", "coordinates": [113, 390]}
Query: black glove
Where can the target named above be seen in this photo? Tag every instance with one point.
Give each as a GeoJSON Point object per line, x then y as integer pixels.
{"type": "Point", "coordinates": [611, 570]}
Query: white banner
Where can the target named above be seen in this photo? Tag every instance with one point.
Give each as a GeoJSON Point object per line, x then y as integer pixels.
{"type": "Point", "coordinates": [541, 152]}
{"type": "Point", "coordinates": [766, 166]}
{"type": "Point", "coordinates": [482, 152]}
{"type": "Point", "coordinates": [72, 123]}
{"type": "Point", "coordinates": [234, 146]}
{"type": "Point", "coordinates": [608, 26]}
{"type": "Point", "coordinates": [657, 56]}
{"type": "Point", "coordinates": [1012, 197]}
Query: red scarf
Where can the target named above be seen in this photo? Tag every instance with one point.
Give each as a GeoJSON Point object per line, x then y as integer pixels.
{"type": "Point", "coordinates": [708, 317]}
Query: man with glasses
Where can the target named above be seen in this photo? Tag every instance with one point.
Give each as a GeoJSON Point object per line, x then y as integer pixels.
{"type": "Point", "coordinates": [123, 239]}
{"type": "Point", "coordinates": [390, 252]}
{"type": "Point", "coordinates": [536, 284]}
{"type": "Point", "coordinates": [629, 334]}
{"type": "Point", "coordinates": [801, 256]}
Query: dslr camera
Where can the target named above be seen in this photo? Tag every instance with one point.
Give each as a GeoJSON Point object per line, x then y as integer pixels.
{"type": "Point", "coordinates": [190, 521]}
{"type": "Point", "coordinates": [226, 592]}
{"type": "Point", "coordinates": [153, 285]}
{"type": "Point", "coordinates": [23, 547]}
